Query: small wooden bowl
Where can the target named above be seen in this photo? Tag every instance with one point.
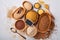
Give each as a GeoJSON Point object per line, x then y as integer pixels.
{"type": "Point", "coordinates": [40, 11]}
{"type": "Point", "coordinates": [44, 23]}
{"type": "Point", "coordinates": [27, 5]}
{"type": "Point", "coordinates": [37, 5]}
{"type": "Point", "coordinates": [20, 25]}
{"type": "Point", "coordinates": [19, 13]}
{"type": "Point", "coordinates": [31, 31]}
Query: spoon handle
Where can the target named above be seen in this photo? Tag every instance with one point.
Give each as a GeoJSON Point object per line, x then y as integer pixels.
{"type": "Point", "coordinates": [21, 35]}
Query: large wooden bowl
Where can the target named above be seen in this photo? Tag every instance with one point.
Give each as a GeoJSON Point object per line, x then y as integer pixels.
{"type": "Point", "coordinates": [44, 23]}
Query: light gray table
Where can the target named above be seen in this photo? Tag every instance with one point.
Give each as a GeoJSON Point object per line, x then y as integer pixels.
{"type": "Point", "coordinates": [5, 23]}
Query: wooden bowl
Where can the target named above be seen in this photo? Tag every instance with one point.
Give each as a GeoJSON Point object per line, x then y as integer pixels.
{"type": "Point", "coordinates": [20, 25]}
{"type": "Point", "coordinates": [44, 22]}
{"type": "Point", "coordinates": [18, 13]}
{"type": "Point", "coordinates": [31, 31]}
{"type": "Point", "coordinates": [27, 5]}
